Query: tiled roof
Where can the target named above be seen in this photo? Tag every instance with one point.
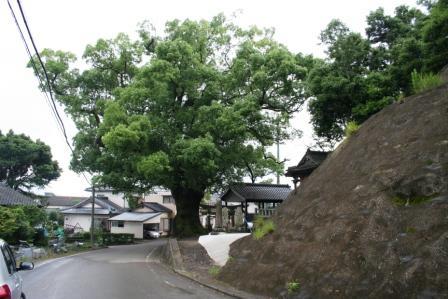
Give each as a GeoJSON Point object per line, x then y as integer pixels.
{"type": "Point", "coordinates": [134, 216]}
{"type": "Point", "coordinates": [106, 207]}
{"type": "Point", "coordinates": [65, 201]}
{"type": "Point", "coordinates": [11, 197]}
{"type": "Point", "coordinates": [156, 207]}
{"type": "Point", "coordinates": [310, 161]}
{"type": "Point", "coordinates": [257, 192]}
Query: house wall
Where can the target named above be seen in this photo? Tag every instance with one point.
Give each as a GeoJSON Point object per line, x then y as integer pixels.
{"type": "Point", "coordinates": [158, 197]}
{"type": "Point", "coordinates": [136, 228]}
{"type": "Point", "coordinates": [82, 221]}
{"type": "Point", "coordinates": [130, 227]}
{"type": "Point", "coordinates": [117, 198]}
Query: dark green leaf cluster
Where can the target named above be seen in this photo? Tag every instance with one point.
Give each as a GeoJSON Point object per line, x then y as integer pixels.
{"type": "Point", "coordinates": [25, 163]}
{"type": "Point", "coordinates": [17, 223]}
{"type": "Point", "coordinates": [363, 75]}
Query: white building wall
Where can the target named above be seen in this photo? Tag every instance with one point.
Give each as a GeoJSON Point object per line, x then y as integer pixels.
{"type": "Point", "coordinates": [117, 198]}
{"type": "Point", "coordinates": [130, 227]}
{"type": "Point", "coordinates": [83, 221]}
{"type": "Point", "coordinates": [158, 197]}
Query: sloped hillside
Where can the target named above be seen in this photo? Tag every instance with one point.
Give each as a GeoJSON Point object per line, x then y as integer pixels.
{"type": "Point", "coordinates": [370, 222]}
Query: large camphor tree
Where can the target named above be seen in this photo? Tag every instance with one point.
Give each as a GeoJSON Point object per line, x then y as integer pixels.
{"type": "Point", "coordinates": [191, 110]}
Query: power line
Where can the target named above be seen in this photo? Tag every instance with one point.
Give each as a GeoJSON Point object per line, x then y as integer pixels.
{"type": "Point", "coordinates": [50, 90]}
{"type": "Point", "coordinates": [33, 64]}
{"type": "Point", "coordinates": [50, 100]}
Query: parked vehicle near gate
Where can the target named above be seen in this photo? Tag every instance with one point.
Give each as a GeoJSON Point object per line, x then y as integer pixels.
{"type": "Point", "coordinates": [152, 234]}
{"type": "Point", "coordinates": [10, 280]}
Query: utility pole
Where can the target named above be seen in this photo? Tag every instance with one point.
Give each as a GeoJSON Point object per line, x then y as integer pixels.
{"type": "Point", "coordinates": [278, 150]}
{"type": "Point", "coordinates": [92, 225]}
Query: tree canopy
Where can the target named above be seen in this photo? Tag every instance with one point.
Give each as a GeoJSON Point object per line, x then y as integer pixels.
{"type": "Point", "coordinates": [25, 163]}
{"type": "Point", "coordinates": [190, 110]}
{"type": "Point", "coordinates": [361, 75]}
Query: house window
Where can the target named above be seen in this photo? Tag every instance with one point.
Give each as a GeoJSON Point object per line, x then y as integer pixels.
{"type": "Point", "coordinates": [168, 199]}
{"type": "Point", "coordinates": [117, 223]}
{"type": "Point", "coordinates": [165, 224]}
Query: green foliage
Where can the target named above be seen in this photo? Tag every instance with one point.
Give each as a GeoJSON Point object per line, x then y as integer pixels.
{"type": "Point", "coordinates": [351, 129]}
{"type": "Point", "coordinates": [40, 238]}
{"type": "Point", "coordinates": [363, 75]}
{"type": "Point", "coordinates": [214, 270]}
{"type": "Point", "coordinates": [56, 216]}
{"type": "Point", "coordinates": [434, 37]}
{"type": "Point", "coordinates": [25, 163]}
{"type": "Point", "coordinates": [116, 239]}
{"type": "Point", "coordinates": [423, 82]}
{"type": "Point", "coordinates": [412, 200]}
{"type": "Point", "coordinates": [263, 227]}
{"type": "Point", "coordinates": [102, 238]}
{"type": "Point", "coordinates": [199, 114]}
{"type": "Point", "coordinates": [15, 225]}
{"type": "Point", "coordinates": [293, 287]}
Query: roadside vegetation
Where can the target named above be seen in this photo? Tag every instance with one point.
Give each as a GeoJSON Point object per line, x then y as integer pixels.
{"type": "Point", "coordinates": [263, 227]}
{"type": "Point", "coordinates": [351, 129]}
{"type": "Point", "coordinates": [293, 287]}
{"type": "Point", "coordinates": [423, 82]}
{"type": "Point", "coordinates": [214, 270]}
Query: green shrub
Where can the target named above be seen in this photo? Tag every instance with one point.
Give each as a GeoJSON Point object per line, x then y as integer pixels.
{"type": "Point", "coordinates": [262, 228]}
{"type": "Point", "coordinates": [214, 270]}
{"type": "Point", "coordinates": [15, 225]}
{"type": "Point", "coordinates": [40, 238]}
{"type": "Point", "coordinates": [116, 239]}
{"type": "Point", "coordinates": [293, 286]}
{"type": "Point", "coordinates": [422, 82]}
{"type": "Point", "coordinates": [351, 128]}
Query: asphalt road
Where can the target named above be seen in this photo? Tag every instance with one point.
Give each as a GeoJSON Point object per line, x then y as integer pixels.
{"type": "Point", "coordinates": [118, 272]}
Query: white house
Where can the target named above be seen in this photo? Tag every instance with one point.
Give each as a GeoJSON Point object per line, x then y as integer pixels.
{"type": "Point", "coordinates": [164, 198]}
{"type": "Point", "coordinates": [79, 215]}
{"type": "Point", "coordinates": [149, 216]}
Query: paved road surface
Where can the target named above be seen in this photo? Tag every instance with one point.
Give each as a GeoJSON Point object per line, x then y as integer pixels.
{"type": "Point", "coordinates": [119, 272]}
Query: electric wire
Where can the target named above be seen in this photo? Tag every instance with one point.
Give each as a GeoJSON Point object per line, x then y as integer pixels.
{"type": "Point", "coordinates": [50, 99]}
{"type": "Point", "coordinates": [33, 64]}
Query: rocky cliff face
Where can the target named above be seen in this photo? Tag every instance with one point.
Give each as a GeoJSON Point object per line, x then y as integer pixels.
{"type": "Point", "coordinates": [370, 222]}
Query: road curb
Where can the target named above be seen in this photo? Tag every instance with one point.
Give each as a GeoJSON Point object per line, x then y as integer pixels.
{"type": "Point", "coordinates": [176, 262]}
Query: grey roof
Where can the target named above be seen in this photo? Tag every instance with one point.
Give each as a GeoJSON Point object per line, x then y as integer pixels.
{"type": "Point", "coordinates": [106, 207]}
{"type": "Point", "coordinates": [156, 207]}
{"type": "Point", "coordinates": [65, 201]}
{"type": "Point", "coordinates": [256, 192]}
{"type": "Point", "coordinates": [134, 216]}
{"type": "Point", "coordinates": [310, 161]}
{"type": "Point", "coordinates": [11, 197]}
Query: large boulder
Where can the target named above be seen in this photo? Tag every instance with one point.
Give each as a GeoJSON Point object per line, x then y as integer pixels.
{"type": "Point", "coordinates": [370, 222]}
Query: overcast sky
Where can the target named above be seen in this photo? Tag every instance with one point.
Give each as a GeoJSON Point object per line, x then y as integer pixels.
{"type": "Point", "coordinates": [71, 25]}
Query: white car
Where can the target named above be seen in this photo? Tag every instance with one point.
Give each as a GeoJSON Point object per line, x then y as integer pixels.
{"type": "Point", "coordinates": [10, 280]}
{"type": "Point", "coordinates": [152, 234]}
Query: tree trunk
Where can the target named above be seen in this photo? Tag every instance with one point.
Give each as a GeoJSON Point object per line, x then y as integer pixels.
{"type": "Point", "coordinates": [186, 222]}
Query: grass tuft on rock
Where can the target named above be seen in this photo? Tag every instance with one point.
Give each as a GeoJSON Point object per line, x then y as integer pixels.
{"type": "Point", "coordinates": [263, 227]}
{"type": "Point", "coordinates": [293, 287]}
{"type": "Point", "coordinates": [351, 128]}
{"type": "Point", "coordinates": [214, 270]}
{"type": "Point", "coordinates": [423, 82]}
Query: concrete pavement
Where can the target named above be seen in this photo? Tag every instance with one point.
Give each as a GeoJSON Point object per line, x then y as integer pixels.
{"type": "Point", "coordinates": [121, 272]}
